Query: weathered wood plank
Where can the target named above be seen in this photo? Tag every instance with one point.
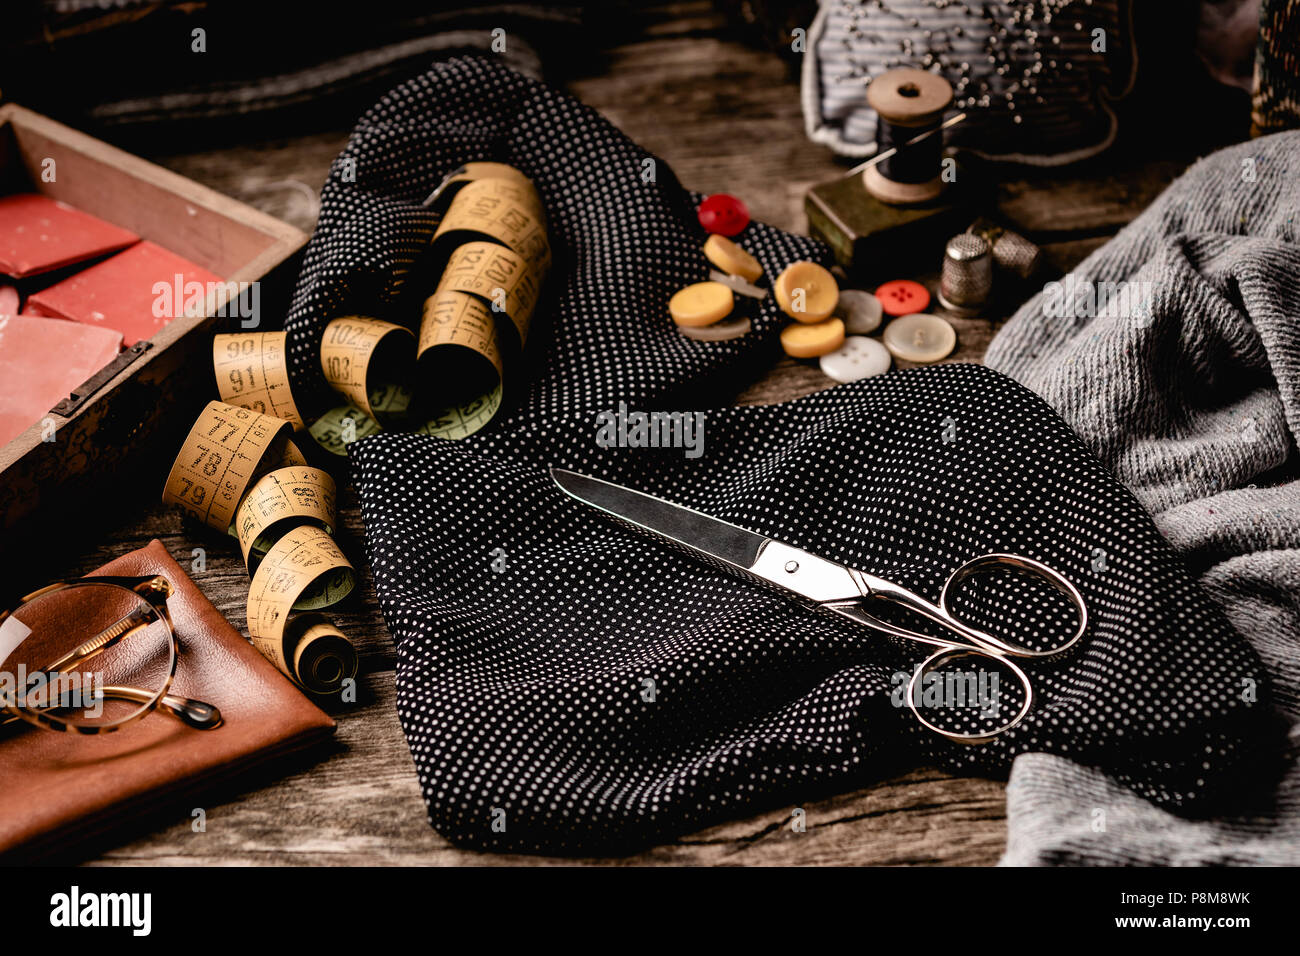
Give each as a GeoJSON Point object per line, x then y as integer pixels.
{"type": "Point", "coordinates": [362, 806]}
{"type": "Point", "coordinates": [1068, 205]}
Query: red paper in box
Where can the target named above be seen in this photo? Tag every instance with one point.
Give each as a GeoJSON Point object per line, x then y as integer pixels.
{"type": "Point", "coordinates": [41, 362]}
{"type": "Point", "coordinates": [125, 293]}
{"type": "Point", "coordinates": [38, 234]}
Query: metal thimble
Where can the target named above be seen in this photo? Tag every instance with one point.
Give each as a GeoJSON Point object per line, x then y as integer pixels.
{"type": "Point", "coordinates": [967, 277]}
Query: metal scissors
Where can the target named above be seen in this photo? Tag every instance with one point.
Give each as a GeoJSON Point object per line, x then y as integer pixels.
{"type": "Point", "coordinates": [846, 591]}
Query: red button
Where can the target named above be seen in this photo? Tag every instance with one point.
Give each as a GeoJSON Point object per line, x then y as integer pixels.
{"type": "Point", "coordinates": [723, 214]}
{"type": "Point", "coordinates": [903, 297]}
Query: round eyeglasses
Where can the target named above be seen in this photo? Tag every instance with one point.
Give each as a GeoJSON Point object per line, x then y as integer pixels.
{"type": "Point", "coordinates": [93, 655]}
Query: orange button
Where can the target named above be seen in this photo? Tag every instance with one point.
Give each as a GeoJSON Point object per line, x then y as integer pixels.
{"type": "Point", "coordinates": [807, 292]}
{"type": "Point", "coordinates": [903, 297]}
{"type": "Point", "coordinates": [812, 341]}
{"type": "Point", "coordinates": [732, 259]}
{"type": "Point", "coordinates": [702, 303]}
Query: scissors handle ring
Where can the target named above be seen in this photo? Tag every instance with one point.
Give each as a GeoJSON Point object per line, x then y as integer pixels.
{"type": "Point", "coordinates": [935, 661]}
{"type": "Point", "coordinates": [998, 559]}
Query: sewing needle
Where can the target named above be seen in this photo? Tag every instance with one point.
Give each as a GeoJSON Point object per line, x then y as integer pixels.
{"type": "Point", "coordinates": [911, 142]}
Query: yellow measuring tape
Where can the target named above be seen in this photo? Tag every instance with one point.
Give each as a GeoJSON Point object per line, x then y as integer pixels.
{"type": "Point", "coordinates": [493, 252]}
{"type": "Point", "coordinates": [302, 571]}
{"type": "Point", "coordinates": [281, 498]}
{"type": "Point", "coordinates": [370, 362]}
{"type": "Point", "coordinates": [505, 211]}
{"type": "Point", "coordinates": [241, 472]}
{"type": "Point", "coordinates": [226, 449]}
{"type": "Point", "coordinates": [253, 372]}
{"type": "Point", "coordinates": [238, 470]}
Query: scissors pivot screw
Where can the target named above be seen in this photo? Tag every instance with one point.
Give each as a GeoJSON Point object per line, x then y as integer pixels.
{"type": "Point", "coordinates": [792, 566]}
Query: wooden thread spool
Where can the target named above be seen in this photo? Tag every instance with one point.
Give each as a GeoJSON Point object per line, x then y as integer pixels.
{"type": "Point", "coordinates": [907, 102]}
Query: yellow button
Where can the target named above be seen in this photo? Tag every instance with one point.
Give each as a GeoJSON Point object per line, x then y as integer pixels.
{"type": "Point", "coordinates": [701, 304]}
{"type": "Point", "coordinates": [732, 259]}
{"type": "Point", "coordinates": [812, 341]}
{"type": "Point", "coordinates": [806, 292]}
{"type": "Point", "coordinates": [920, 337]}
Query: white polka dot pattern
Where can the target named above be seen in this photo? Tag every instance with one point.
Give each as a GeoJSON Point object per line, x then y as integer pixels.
{"type": "Point", "coordinates": [567, 685]}
{"type": "Point", "coordinates": [622, 245]}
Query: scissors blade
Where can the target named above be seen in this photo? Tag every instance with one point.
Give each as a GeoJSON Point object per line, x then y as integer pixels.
{"type": "Point", "coordinates": [755, 555]}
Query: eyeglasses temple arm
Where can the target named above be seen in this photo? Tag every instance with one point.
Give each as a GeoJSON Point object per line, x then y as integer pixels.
{"type": "Point", "coordinates": [198, 714]}
{"type": "Point", "coordinates": [195, 713]}
{"type": "Point", "coordinates": [99, 643]}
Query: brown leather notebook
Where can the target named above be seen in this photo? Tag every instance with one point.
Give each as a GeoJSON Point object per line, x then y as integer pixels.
{"type": "Point", "coordinates": [57, 789]}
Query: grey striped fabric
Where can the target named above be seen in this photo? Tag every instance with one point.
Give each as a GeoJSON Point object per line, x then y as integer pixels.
{"type": "Point", "coordinates": [1027, 73]}
{"type": "Point", "coordinates": [1193, 399]}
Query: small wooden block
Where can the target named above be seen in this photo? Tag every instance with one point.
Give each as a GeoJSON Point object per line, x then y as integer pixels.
{"type": "Point", "coordinates": [865, 233]}
{"type": "Point", "coordinates": [41, 362]}
{"type": "Point", "coordinates": [119, 294]}
{"type": "Point", "coordinates": [38, 234]}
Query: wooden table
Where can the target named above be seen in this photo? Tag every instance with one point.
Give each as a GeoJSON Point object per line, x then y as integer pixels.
{"type": "Point", "coordinates": [726, 118]}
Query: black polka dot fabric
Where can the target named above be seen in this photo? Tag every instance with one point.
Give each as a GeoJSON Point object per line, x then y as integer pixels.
{"type": "Point", "coordinates": [568, 685]}
{"type": "Point", "coordinates": [530, 627]}
{"type": "Point", "coordinates": [623, 231]}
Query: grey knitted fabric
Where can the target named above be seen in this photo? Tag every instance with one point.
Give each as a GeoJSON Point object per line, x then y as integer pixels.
{"type": "Point", "coordinates": [1188, 387]}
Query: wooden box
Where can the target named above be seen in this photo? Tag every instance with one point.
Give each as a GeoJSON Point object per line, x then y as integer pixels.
{"type": "Point", "coordinates": [114, 440]}
{"type": "Point", "coordinates": [871, 238]}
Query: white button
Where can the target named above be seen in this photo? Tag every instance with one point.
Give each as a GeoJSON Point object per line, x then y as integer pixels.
{"type": "Point", "coordinates": [718, 331]}
{"type": "Point", "coordinates": [859, 357]}
{"type": "Point", "coordinates": [920, 337]}
{"type": "Point", "coordinates": [860, 311]}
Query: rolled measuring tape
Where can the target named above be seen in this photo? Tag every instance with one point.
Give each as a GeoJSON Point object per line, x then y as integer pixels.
{"type": "Point", "coordinates": [239, 472]}
{"type": "Point", "coordinates": [372, 363]}
{"type": "Point", "coordinates": [252, 370]}
{"type": "Point", "coordinates": [292, 456]}
{"type": "Point", "coordinates": [280, 500]}
{"type": "Point", "coordinates": [500, 255]}
{"type": "Point", "coordinates": [458, 348]}
{"type": "Point", "coordinates": [463, 345]}
{"type": "Point", "coordinates": [508, 212]}
{"type": "Point", "coordinates": [497, 275]}
{"type": "Point", "coordinates": [303, 571]}
{"type": "Point", "coordinates": [340, 427]}
{"type": "Point", "coordinates": [492, 251]}
{"type": "Point", "coordinates": [458, 178]}
{"type": "Point", "coordinates": [322, 657]}
{"type": "Point", "coordinates": [461, 337]}
{"type": "Point", "coordinates": [226, 451]}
